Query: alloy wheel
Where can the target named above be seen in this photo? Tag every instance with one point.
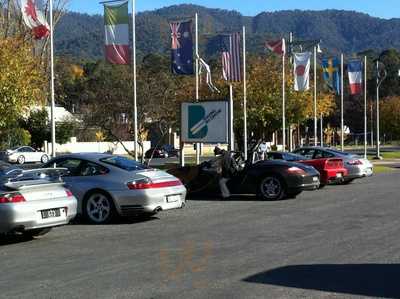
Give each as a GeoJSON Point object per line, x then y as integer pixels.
{"type": "Point", "coordinates": [98, 208]}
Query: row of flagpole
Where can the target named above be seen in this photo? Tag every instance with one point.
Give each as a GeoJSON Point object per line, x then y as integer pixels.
{"type": "Point", "coordinates": [231, 134]}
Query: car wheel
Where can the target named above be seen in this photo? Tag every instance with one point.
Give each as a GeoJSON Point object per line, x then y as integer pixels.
{"type": "Point", "coordinates": [21, 160]}
{"type": "Point", "coordinates": [272, 188]}
{"type": "Point", "coordinates": [37, 232]}
{"type": "Point", "coordinates": [45, 159]}
{"type": "Point", "coordinates": [98, 208]}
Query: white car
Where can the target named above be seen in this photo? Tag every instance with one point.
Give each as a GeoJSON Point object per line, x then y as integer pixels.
{"type": "Point", "coordinates": [25, 154]}
{"type": "Point", "coordinates": [34, 201]}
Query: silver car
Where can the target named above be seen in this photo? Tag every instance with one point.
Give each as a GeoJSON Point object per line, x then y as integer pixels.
{"type": "Point", "coordinates": [107, 186]}
{"type": "Point", "coordinates": [24, 154]}
{"type": "Point", "coordinates": [34, 201]}
{"type": "Point", "coordinates": [357, 167]}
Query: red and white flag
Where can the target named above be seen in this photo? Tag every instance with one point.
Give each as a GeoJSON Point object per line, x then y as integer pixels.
{"type": "Point", "coordinates": [34, 19]}
{"type": "Point", "coordinates": [302, 62]}
{"type": "Point", "coordinates": [278, 46]}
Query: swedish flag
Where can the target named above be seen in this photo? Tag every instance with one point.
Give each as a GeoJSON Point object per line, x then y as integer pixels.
{"type": "Point", "coordinates": [331, 67]}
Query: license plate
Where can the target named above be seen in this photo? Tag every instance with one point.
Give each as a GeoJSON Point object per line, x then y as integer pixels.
{"type": "Point", "coordinates": [51, 213]}
{"type": "Point", "coordinates": [173, 198]}
{"type": "Point", "coordinates": [339, 175]}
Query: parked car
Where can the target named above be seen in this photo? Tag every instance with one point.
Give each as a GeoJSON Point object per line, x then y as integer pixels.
{"type": "Point", "coordinates": [332, 170]}
{"type": "Point", "coordinates": [269, 180]}
{"type": "Point", "coordinates": [108, 186]}
{"type": "Point", "coordinates": [24, 154]}
{"type": "Point", "coordinates": [34, 201]}
{"type": "Point", "coordinates": [156, 153]}
{"type": "Point", "coordinates": [356, 166]}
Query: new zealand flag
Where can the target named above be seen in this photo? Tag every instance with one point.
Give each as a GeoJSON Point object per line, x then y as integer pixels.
{"type": "Point", "coordinates": [182, 48]}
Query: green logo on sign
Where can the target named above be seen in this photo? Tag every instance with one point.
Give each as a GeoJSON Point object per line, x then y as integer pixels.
{"type": "Point", "coordinates": [198, 128]}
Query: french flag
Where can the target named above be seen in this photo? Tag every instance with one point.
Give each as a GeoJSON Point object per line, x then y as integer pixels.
{"type": "Point", "coordinates": [355, 76]}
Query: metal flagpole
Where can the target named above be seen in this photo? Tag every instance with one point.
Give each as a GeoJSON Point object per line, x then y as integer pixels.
{"type": "Point", "coordinates": [135, 114]}
{"type": "Point", "coordinates": [378, 142]}
{"type": "Point", "coordinates": [342, 102]}
{"type": "Point", "coordinates": [244, 95]}
{"type": "Point", "coordinates": [322, 130]}
{"type": "Point", "coordinates": [53, 105]}
{"type": "Point", "coordinates": [365, 109]}
{"type": "Point", "coordinates": [231, 137]}
{"type": "Point", "coordinates": [197, 79]}
{"type": "Point", "coordinates": [283, 100]}
{"type": "Point", "coordinates": [315, 99]}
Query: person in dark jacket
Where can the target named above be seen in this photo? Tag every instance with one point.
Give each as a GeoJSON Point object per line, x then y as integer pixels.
{"type": "Point", "coordinates": [228, 169]}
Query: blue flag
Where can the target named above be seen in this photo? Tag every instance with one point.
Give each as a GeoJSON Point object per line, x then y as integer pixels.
{"type": "Point", "coordinates": [331, 67]}
{"type": "Point", "coordinates": [182, 48]}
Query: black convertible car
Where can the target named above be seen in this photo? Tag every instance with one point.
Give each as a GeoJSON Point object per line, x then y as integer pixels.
{"type": "Point", "coordinates": [269, 180]}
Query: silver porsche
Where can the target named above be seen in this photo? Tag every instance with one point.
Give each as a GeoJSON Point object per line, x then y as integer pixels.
{"type": "Point", "coordinates": [107, 186]}
{"type": "Point", "coordinates": [34, 201]}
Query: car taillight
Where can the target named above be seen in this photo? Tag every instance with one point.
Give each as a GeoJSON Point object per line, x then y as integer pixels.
{"type": "Point", "coordinates": [149, 184]}
{"type": "Point", "coordinates": [332, 164]}
{"type": "Point", "coordinates": [69, 193]}
{"type": "Point", "coordinates": [296, 170]}
{"type": "Point", "coordinates": [11, 198]}
{"type": "Point", "coordinates": [355, 162]}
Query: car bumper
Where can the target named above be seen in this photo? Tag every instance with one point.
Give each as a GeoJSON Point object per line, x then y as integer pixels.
{"type": "Point", "coordinates": [304, 183]}
{"type": "Point", "coordinates": [130, 202]}
{"type": "Point", "coordinates": [27, 215]}
{"type": "Point", "coordinates": [360, 172]}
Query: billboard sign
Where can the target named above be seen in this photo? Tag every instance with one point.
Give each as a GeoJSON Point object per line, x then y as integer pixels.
{"type": "Point", "coordinates": [205, 122]}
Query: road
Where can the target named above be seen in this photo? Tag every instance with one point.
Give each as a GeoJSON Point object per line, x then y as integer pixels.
{"type": "Point", "coordinates": [339, 242]}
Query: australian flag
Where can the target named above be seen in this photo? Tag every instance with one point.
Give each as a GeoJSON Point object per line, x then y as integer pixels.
{"type": "Point", "coordinates": [182, 48]}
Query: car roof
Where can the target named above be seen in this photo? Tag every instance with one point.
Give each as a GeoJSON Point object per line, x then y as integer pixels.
{"type": "Point", "coordinates": [86, 156]}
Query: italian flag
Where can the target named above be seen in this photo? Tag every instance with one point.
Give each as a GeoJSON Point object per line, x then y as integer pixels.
{"type": "Point", "coordinates": [116, 23]}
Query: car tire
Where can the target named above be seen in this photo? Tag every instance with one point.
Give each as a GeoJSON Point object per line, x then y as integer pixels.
{"type": "Point", "coordinates": [34, 233]}
{"type": "Point", "coordinates": [98, 208]}
{"type": "Point", "coordinates": [44, 159]}
{"type": "Point", "coordinates": [272, 188]}
{"type": "Point", "coordinates": [21, 160]}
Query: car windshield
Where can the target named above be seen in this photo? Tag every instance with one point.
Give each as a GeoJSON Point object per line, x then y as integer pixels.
{"type": "Point", "coordinates": [15, 148]}
{"type": "Point", "coordinates": [124, 163]}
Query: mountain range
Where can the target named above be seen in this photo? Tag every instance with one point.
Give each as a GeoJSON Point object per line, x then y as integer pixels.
{"type": "Point", "coordinates": [81, 35]}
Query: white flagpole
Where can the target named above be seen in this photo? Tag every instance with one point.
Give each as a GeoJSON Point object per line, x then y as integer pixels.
{"type": "Point", "coordinates": [322, 130]}
{"type": "Point", "coordinates": [197, 79]}
{"type": "Point", "coordinates": [315, 99]}
{"type": "Point", "coordinates": [135, 114]}
{"type": "Point", "coordinates": [365, 110]}
{"type": "Point", "coordinates": [244, 94]}
{"type": "Point", "coordinates": [342, 102]}
{"type": "Point", "coordinates": [283, 100]}
{"type": "Point", "coordinates": [53, 105]}
{"type": "Point", "coordinates": [231, 137]}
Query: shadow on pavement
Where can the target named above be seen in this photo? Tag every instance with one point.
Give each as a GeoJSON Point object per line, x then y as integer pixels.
{"type": "Point", "coordinates": [119, 220]}
{"type": "Point", "coordinates": [11, 239]}
{"type": "Point", "coordinates": [375, 280]}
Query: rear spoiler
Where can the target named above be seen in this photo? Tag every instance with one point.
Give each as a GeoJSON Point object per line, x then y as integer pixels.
{"type": "Point", "coordinates": [16, 174]}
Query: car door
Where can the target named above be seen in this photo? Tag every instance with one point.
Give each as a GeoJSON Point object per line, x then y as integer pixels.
{"type": "Point", "coordinates": [72, 178]}
{"type": "Point", "coordinates": [28, 153]}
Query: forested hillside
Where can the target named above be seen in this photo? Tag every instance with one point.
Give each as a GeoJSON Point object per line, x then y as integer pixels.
{"type": "Point", "coordinates": [81, 35]}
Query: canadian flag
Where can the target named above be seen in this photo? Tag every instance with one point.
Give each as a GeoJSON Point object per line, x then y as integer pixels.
{"type": "Point", "coordinates": [34, 19]}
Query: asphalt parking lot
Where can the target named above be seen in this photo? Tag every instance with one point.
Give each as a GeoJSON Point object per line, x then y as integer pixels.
{"type": "Point", "coordinates": [339, 242]}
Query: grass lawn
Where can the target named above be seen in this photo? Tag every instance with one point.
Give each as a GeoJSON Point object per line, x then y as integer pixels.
{"type": "Point", "coordinates": [387, 155]}
{"type": "Point", "coordinates": [383, 169]}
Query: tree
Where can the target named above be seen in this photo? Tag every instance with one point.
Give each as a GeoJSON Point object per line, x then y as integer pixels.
{"type": "Point", "coordinates": [21, 81]}
{"type": "Point", "coordinates": [390, 117]}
